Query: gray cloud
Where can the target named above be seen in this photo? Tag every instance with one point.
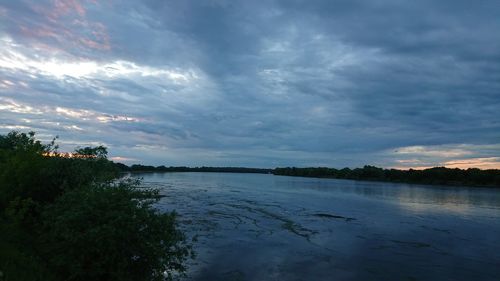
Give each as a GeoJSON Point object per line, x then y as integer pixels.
{"type": "Point", "coordinates": [334, 83]}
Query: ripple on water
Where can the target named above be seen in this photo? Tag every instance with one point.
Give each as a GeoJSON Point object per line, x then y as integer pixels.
{"type": "Point", "coordinates": [260, 227]}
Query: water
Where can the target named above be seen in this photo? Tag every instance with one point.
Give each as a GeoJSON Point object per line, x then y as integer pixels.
{"type": "Point", "coordinates": [265, 227]}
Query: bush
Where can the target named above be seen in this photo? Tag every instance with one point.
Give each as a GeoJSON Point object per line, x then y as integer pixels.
{"type": "Point", "coordinates": [111, 232]}
{"type": "Point", "coordinates": [66, 218]}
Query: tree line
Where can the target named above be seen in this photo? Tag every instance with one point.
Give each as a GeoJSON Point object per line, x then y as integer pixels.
{"type": "Point", "coordinates": [437, 175]}
{"type": "Point", "coordinates": [146, 168]}
{"type": "Point", "coordinates": [433, 176]}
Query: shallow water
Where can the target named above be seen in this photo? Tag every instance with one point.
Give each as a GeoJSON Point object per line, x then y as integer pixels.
{"type": "Point", "coordinates": [265, 227]}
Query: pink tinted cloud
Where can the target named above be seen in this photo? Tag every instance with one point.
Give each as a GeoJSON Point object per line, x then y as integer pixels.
{"type": "Point", "coordinates": [481, 163]}
{"type": "Point", "coordinates": [122, 159]}
{"type": "Point", "coordinates": [98, 38]}
{"type": "Point", "coordinates": [66, 7]}
{"type": "Point", "coordinates": [66, 24]}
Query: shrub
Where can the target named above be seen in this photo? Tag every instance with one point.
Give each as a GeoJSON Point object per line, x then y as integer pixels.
{"type": "Point", "coordinates": [66, 218]}
{"type": "Point", "coordinates": [112, 232]}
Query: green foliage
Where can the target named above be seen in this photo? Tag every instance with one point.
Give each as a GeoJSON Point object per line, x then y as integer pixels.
{"type": "Point", "coordinates": [438, 175]}
{"type": "Point", "coordinates": [111, 232]}
{"type": "Point", "coordinates": [18, 259]}
{"type": "Point", "coordinates": [26, 171]}
{"type": "Point", "coordinates": [93, 152]}
{"type": "Point", "coordinates": [16, 142]}
{"type": "Point", "coordinates": [67, 218]}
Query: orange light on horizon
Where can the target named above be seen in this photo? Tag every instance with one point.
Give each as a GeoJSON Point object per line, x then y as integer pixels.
{"type": "Point", "coordinates": [68, 155]}
{"type": "Point", "coordinates": [484, 163]}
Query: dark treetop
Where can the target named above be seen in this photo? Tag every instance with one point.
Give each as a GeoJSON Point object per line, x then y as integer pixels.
{"type": "Point", "coordinates": [437, 175]}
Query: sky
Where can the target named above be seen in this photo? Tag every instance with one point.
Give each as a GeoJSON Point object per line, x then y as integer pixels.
{"type": "Point", "coordinates": [390, 83]}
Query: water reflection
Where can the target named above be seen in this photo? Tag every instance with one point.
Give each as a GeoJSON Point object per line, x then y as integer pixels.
{"type": "Point", "coordinates": [447, 196]}
{"type": "Point", "coordinates": [264, 227]}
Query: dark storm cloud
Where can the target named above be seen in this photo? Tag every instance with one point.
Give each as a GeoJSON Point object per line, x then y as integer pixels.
{"type": "Point", "coordinates": [392, 83]}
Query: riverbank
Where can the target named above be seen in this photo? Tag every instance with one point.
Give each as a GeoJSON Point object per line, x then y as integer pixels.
{"type": "Point", "coordinates": [434, 176]}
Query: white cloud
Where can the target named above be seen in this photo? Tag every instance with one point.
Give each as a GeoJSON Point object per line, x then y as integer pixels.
{"type": "Point", "coordinates": [313, 89]}
{"type": "Point", "coordinates": [435, 151]}
{"type": "Point", "coordinates": [12, 57]}
{"type": "Point", "coordinates": [11, 105]}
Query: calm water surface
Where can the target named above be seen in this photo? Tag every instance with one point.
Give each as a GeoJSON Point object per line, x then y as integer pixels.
{"type": "Point", "coordinates": [265, 227]}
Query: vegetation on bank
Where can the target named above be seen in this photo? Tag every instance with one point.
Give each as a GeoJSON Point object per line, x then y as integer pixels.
{"type": "Point", "coordinates": [434, 176]}
{"type": "Point", "coordinates": [159, 169]}
{"type": "Point", "coordinates": [67, 217]}
{"type": "Point", "coordinates": [437, 176]}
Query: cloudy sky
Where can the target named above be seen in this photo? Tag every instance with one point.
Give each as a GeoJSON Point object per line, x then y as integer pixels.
{"type": "Point", "coordinates": [257, 83]}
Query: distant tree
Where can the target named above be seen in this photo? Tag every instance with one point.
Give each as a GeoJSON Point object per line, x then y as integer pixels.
{"type": "Point", "coordinates": [122, 167]}
{"type": "Point", "coordinates": [437, 175]}
{"type": "Point", "coordinates": [100, 152]}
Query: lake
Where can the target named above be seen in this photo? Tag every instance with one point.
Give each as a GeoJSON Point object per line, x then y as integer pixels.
{"type": "Point", "coordinates": [265, 227]}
